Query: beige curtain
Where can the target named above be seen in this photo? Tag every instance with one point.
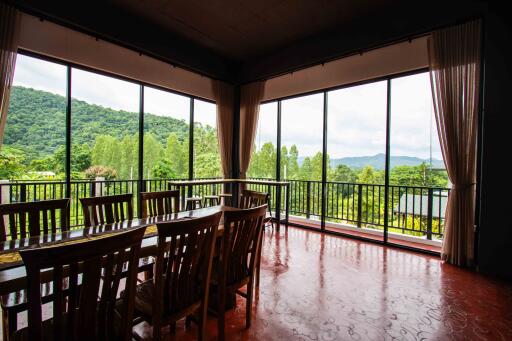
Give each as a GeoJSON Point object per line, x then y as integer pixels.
{"type": "Point", "coordinates": [250, 99]}
{"type": "Point", "coordinates": [454, 58]}
{"type": "Point", "coordinates": [9, 30]}
{"type": "Point", "coordinates": [223, 94]}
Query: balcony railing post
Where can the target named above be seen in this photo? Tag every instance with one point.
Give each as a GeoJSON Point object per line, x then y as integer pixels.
{"type": "Point", "coordinates": [429, 212]}
{"type": "Point", "coordinates": [359, 204]}
{"type": "Point", "coordinates": [23, 193]}
{"type": "Point", "coordinates": [308, 199]}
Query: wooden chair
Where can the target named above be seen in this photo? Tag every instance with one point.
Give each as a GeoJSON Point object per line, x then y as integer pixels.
{"type": "Point", "coordinates": [226, 198]}
{"type": "Point", "coordinates": [193, 203]}
{"type": "Point", "coordinates": [211, 200]}
{"type": "Point", "coordinates": [250, 199]}
{"type": "Point", "coordinates": [159, 203]}
{"type": "Point", "coordinates": [28, 219]}
{"type": "Point", "coordinates": [241, 247]}
{"type": "Point", "coordinates": [107, 209]}
{"type": "Point", "coordinates": [85, 305]}
{"type": "Point", "coordinates": [24, 220]}
{"type": "Point", "coordinates": [182, 273]}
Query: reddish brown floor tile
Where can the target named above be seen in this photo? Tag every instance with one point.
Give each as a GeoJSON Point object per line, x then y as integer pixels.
{"type": "Point", "coordinates": [322, 287]}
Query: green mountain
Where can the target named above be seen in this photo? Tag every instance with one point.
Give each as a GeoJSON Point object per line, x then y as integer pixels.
{"type": "Point", "coordinates": [377, 161]}
{"type": "Point", "coordinates": [36, 122]}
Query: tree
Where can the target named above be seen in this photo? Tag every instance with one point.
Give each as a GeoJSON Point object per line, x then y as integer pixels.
{"type": "Point", "coordinates": [343, 173]}
{"type": "Point", "coordinates": [293, 163]}
{"type": "Point", "coordinates": [80, 158]}
{"type": "Point", "coordinates": [164, 170]}
{"type": "Point", "coordinates": [369, 175]}
{"type": "Point", "coordinates": [11, 163]}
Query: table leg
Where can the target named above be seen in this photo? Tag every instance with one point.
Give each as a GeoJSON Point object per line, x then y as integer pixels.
{"type": "Point", "coordinates": [278, 207]}
{"type": "Point", "coordinates": [287, 188]}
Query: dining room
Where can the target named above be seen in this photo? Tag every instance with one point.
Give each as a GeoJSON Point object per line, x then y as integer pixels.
{"type": "Point", "coordinates": [191, 170]}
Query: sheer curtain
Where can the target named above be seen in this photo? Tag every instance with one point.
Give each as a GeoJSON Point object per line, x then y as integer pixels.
{"type": "Point", "coordinates": [9, 30]}
{"type": "Point", "coordinates": [250, 99]}
{"type": "Point", "coordinates": [223, 94]}
{"type": "Point", "coordinates": [454, 60]}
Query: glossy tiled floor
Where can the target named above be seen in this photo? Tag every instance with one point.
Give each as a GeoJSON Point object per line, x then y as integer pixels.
{"type": "Point", "coordinates": [321, 287]}
{"type": "Point", "coordinates": [324, 287]}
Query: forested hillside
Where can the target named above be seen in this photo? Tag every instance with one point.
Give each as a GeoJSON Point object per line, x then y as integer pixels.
{"type": "Point", "coordinates": [35, 113]}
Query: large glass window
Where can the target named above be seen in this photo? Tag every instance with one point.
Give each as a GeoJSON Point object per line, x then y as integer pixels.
{"type": "Point", "coordinates": [301, 152]}
{"type": "Point", "coordinates": [206, 147]}
{"type": "Point", "coordinates": [356, 146]}
{"type": "Point", "coordinates": [105, 125]}
{"type": "Point", "coordinates": [264, 155]}
{"type": "Point", "coordinates": [417, 172]}
{"type": "Point", "coordinates": [35, 131]}
{"type": "Point", "coordinates": [166, 135]}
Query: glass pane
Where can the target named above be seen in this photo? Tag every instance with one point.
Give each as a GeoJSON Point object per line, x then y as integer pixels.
{"type": "Point", "coordinates": [417, 172]}
{"type": "Point", "coordinates": [166, 137]}
{"type": "Point", "coordinates": [206, 147]}
{"type": "Point", "coordinates": [264, 155]}
{"type": "Point", "coordinates": [104, 136]}
{"type": "Point", "coordinates": [301, 155]}
{"type": "Point", "coordinates": [35, 138]}
{"type": "Point", "coordinates": [356, 146]}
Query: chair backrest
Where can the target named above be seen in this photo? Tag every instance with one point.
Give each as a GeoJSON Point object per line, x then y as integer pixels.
{"type": "Point", "coordinates": [241, 243]}
{"type": "Point", "coordinates": [107, 209]}
{"type": "Point", "coordinates": [183, 264]}
{"type": "Point", "coordinates": [250, 199]}
{"type": "Point", "coordinates": [159, 203]}
{"type": "Point", "coordinates": [22, 220]}
{"type": "Point", "coordinates": [84, 300]}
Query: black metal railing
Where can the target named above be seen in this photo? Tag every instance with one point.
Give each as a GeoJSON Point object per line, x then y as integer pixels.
{"type": "Point", "coordinates": [412, 210]}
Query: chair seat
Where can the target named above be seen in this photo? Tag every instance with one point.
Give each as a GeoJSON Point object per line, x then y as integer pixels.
{"type": "Point", "coordinates": [194, 199]}
{"type": "Point", "coordinates": [225, 195]}
{"type": "Point", "coordinates": [144, 297]}
{"type": "Point", "coordinates": [144, 294]}
{"type": "Point", "coordinates": [22, 334]}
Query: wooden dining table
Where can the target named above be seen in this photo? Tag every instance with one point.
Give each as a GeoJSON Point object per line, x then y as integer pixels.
{"type": "Point", "coordinates": [12, 270]}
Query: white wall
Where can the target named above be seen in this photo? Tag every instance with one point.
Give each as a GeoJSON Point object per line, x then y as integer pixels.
{"type": "Point", "coordinates": [393, 59]}
{"type": "Point", "coordinates": [60, 42]}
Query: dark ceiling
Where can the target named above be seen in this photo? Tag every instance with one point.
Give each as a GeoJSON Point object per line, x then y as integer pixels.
{"type": "Point", "coordinates": [245, 29]}
{"type": "Point", "coordinates": [244, 40]}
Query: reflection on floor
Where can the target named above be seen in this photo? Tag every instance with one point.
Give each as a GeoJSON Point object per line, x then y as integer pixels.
{"type": "Point", "coordinates": [322, 287]}
{"type": "Point", "coordinates": [363, 233]}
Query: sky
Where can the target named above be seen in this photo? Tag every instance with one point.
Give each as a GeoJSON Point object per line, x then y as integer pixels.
{"type": "Point", "coordinates": [356, 115]}
{"type": "Point", "coordinates": [107, 91]}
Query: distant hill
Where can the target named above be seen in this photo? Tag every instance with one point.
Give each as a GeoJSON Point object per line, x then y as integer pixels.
{"type": "Point", "coordinates": [377, 161]}
{"type": "Point", "coordinates": [36, 122]}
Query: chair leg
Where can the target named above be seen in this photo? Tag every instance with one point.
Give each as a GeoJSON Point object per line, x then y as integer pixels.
{"type": "Point", "coordinates": [258, 266]}
{"type": "Point", "coordinates": [221, 310]}
{"type": "Point", "coordinates": [5, 325]}
{"type": "Point", "coordinates": [248, 303]}
{"type": "Point", "coordinates": [201, 333]}
{"type": "Point", "coordinates": [157, 330]}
